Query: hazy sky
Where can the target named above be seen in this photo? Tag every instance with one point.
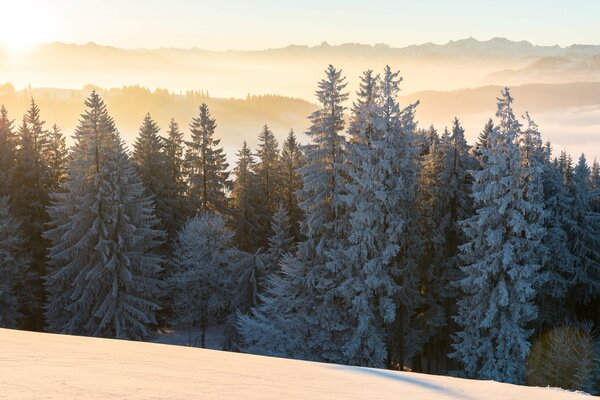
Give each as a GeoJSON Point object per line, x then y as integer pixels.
{"type": "Point", "coordinates": [257, 24]}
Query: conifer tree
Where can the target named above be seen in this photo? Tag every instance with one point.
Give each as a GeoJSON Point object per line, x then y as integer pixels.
{"type": "Point", "coordinates": [557, 270]}
{"type": "Point", "coordinates": [175, 184]}
{"type": "Point", "coordinates": [244, 202]}
{"type": "Point", "coordinates": [14, 268]}
{"type": "Point", "coordinates": [206, 166]}
{"type": "Point", "coordinates": [202, 262]}
{"type": "Point", "coordinates": [28, 203]}
{"type": "Point", "coordinates": [148, 158]}
{"type": "Point", "coordinates": [483, 142]}
{"type": "Point", "coordinates": [281, 242]}
{"type": "Point", "coordinates": [368, 288]}
{"type": "Point", "coordinates": [57, 156]}
{"type": "Point", "coordinates": [8, 153]}
{"type": "Point", "coordinates": [302, 314]}
{"type": "Point", "coordinates": [292, 159]}
{"type": "Point", "coordinates": [400, 176]}
{"type": "Point", "coordinates": [104, 275]}
{"type": "Point", "coordinates": [500, 268]}
{"type": "Point", "coordinates": [584, 236]}
{"type": "Point", "coordinates": [268, 180]}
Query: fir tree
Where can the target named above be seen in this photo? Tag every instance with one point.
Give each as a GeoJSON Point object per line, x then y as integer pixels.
{"type": "Point", "coordinates": [500, 261]}
{"type": "Point", "coordinates": [104, 275]}
{"type": "Point", "coordinates": [8, 153]}
{"type": "Point", "coordinates": [400, 171]}
{"type": "Point", "coordinates": [57, 156]}
{"type": "Point", "coordinates": [301, 315]}
{"type": "Point", "coordinates": [244, 201]}
{"type": "Point", "coordinates": [368, 288]}
{"type": "Point", "coordinates": [201, 262]}
{"type": "Point", "coordinates": [175, 184]}
{"type": "Point", "coordinates": [281, 242]}
{"type": "Point", "coordinates": [584, 236]}
{"type": "Point", "coordinates": [28, 203]}
{"type": "Point", "coordinates": [483, 142]}
{"type": "Point", "coordinates": [14, 266]}
{"type": "Point", "coordinates": [292, 159]}
{"type": "Point", "coordinates": [557, 271]}
{"type": "Point", "coordinates": [149, 161]}
{"type": "Point", "coordinates": [268, 180]}
{"type": "Point", "coordinates": [206, 166]}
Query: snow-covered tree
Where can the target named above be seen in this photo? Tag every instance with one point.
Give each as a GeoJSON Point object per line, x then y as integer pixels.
{"type": "Point", "coordinates": [399, 173]}
{"type": "Point", "coordinates": [14, 267]}
{"type": "Point", "coordinates": [500, 271]}
{"type": "Point", "coordinates": [368, 286]}
{"type": "Point", "coordinates": [292, 159]}
{"type": "Point", "coordinates": [201, 281]}
{"type": "Point", "coordinates": [104, 275]}
{"type": "Point", "coordinates": [584, 236]}
{"type": "Point", "coordinates": [206, 166]}
{"type": "Point", "coordinates": [244, 202]}
{"type": "Point", "coordinates": [302, 311]}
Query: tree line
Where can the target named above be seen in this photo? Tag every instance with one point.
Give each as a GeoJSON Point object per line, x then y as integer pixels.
{"type": "Point", "coordinates": [379, 243]}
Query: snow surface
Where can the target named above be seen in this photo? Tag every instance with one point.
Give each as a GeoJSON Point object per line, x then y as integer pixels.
{"type": "Point", "coordinates": [48, 366]}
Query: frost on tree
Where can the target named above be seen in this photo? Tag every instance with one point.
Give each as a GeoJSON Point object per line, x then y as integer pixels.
{"type": "Point", "coordinates": [302, 313]}
{"type": "Point", "coordinates": [501, 261]}
{"type": "Point", "coordinates": [368, 288]}
{"type": "Point", "coordinates": [202, 270]}
{"type": "Point", "coordinates": [584, 236]}
{"type": "Point", "coordinates": [103, 279]}
{"type": "Point", "coordinates": [14, 266]}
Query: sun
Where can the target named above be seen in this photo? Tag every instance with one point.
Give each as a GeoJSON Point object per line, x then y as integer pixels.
{"type": "Point", "coordinates": [23, 27]}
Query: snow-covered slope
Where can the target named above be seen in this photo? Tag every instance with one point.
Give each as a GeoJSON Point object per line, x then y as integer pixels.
{"type": "Point", "coordinates": [46, 366]}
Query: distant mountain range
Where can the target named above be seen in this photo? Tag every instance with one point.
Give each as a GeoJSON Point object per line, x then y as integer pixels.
{"type": "Point", "coordinates": [294, 70]}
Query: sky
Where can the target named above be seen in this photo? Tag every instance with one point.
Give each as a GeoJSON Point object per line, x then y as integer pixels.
{"type": "Point", "coordinates": [260, 24]}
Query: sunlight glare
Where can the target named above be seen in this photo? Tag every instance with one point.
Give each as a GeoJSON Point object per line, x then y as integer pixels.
{"type": "Point", "coordinates": [24, 26]}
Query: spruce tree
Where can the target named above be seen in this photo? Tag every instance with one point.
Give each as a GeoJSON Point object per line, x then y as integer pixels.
{"type": "Point", "coordinates": [244, 202]}
{"type": "Point", "coordinates": [400, 171]}
{"type": "Point", "coordinates": [57, 156]}
{"type": "Point", "coordinates": [8, 153]}
{"type": "Point", "coordinates": [558, 268]}
{"type": "Point", "coordinates": [500, 258]}
{"type": "Point", "coordinates": [28, 202]}
{"type": "Point", "coordinates": [368, 286]}
{"type": "Point", "coordinates": [14, 268]}
{"type": "Point", "coordinates": [206, 166]}
{"type": "Point", "coordinates": [483, 142]}
{"type": "Point", "coordinates": [175, 184]}
{"type": "Point", "coordinates": [584, 237]}
{"type": "Point", "coordinates": [104, 275]}
{"type": "Point", "coordinates": [292, 159]}
{"type": "Point", "coordinates": [268, 180]}
{"type": "Point", "coordinates": [201, 282]}
{"type": "Point", "coordinates": [302, 314]}
{"type": "Point", "coordinates": [148, 158]}
{"type": "Point", "coordinates": [281, 242]}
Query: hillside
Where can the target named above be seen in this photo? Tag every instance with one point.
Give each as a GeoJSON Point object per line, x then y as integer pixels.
{"type": "Point", "coordinates": [38, 365]}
